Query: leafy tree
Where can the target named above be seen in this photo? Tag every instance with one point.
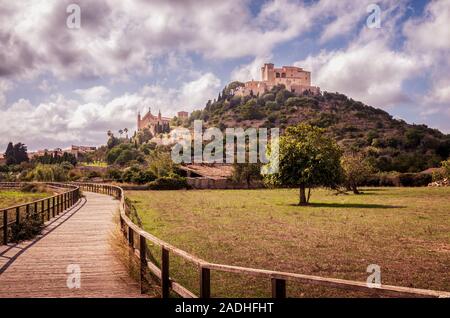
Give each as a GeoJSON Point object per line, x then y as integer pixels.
{"type": "Point", "coordinates": [246, 172]}
{"type": "Point", "coordinates": [307, 158]}
{"type": "Point", "coordinates": [356, 170]}
{"type": "Point", "coordinates": [16, 154]}
{"type": "Point", "coordinates": [112, 142]}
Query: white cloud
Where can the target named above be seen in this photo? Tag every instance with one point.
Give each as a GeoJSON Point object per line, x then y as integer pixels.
{"type": "Point", "coordinates": [368, 72]}
{"type": "Point", "coordinates": [249, 71]}
{"type": "Point", "coordinates": [93, 94]}
{"type": "Point", "coordinates": [195, 94]}
{"type": "Point", "coordinates": [61, 121]}
{"type": "Point", "coordinates": [5, 86]}
{"type": "Point", "coordinates": [430, 32]}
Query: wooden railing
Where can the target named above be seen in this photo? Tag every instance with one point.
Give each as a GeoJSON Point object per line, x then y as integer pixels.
{"type": "Point", "coordinates": [278, 279]}
{"type": "Point", "coordinates": [48, 207]}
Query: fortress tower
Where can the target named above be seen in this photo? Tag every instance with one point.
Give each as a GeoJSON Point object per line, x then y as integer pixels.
{"type": "Point", "coordinates": [295, 79]}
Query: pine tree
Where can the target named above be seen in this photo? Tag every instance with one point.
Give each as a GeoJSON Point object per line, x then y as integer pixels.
{"type": "Point", "coordinates": [9, 154]}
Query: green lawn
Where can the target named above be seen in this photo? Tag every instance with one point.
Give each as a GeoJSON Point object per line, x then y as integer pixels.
{"type": "Point", "coordinates": [10, 198]}
{"type": "Point", "coordinates": [406, 231]}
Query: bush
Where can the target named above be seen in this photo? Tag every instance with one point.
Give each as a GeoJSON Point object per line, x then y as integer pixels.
{"type": "Point", "coordinates": [415, 179]}
{"type": "Point", "coordinates": [32, 188]}
{"type": "Point", "coordinates": [395, 179]}
{"type": "Point", "coordinates": [173, 182]}
{"type": "Point", "coordinates": [28, 228]}
{"type": "Point", "coordinates": [114, 174]}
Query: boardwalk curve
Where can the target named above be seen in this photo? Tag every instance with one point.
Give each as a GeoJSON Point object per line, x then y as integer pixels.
{"type": "Point", "coordinates": [77, 238]}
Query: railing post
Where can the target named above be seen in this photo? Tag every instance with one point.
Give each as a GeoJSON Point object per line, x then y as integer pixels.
{"type": "Point", "coordinates": [205, 282]}
{"type": "Point", "coordinates": [18, 215]}
{"type": "Point", "coordinates": [143, 259]}
{"type": "Point", "coordinates": [43, 211]}
{"type": "Point", "coordinates": [5, 227]}
{"type": "Point", "coordinates": [53, 207]}
{"type": "Point", "coordinates": [165, 281]}
{"type": "Point", "coordinates": [278, 288]}
{"type": "Point", "coordinates": [27, 208]}
{"type": "Point", "coordinates": [131, 238]}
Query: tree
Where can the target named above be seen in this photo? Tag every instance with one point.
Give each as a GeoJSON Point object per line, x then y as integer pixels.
{"type": "Point", "coordinates": [16, 154]}
{"type": "Point", "coordinates": [246, 172]}
{"type": "Point", "coordinates": [307, 158]}
{"type": "Point", "coordinates": [356, 169]}
{"type": "Point", "coordinates": [120, 133]}
{"type": "Point", "coordinates": [9, 154]}
{"type": "Point", "coordinates": [125, 130]}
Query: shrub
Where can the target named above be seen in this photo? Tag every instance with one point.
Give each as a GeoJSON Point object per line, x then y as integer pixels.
{"type": "Point", "coordinates": [173, 182]}
{"type": "Point", "coordinates": [114, 174]}
{"type": "Point", "coordinates": [93, 174]}
{"type": "Point", "coordinates": [415, 179]}
{"type": "Point", "coordinates": [28, 228]}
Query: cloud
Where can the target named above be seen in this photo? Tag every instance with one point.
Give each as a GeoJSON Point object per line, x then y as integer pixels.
{"type": "Point", "coordinates": [249, 71]}
{"type": "Point", "coordinates": [93, 94]}
{"type": "Point", "coordinates": [368, 72]}
{"type": "Point", "coordinates": [61, 121]}
{"type": "Point", "coordinates": [197, 92]}
{"type": "Point", "coordinates": [5, 86]}
{"type": "Point", "coordinates": [117, 38]}
{"type": "Point", "coordinates": [430, 33]}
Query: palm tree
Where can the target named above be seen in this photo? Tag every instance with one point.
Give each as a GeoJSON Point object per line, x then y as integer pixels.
{"type": "Point", "coordinates": [120, 132]}
{"type": "Point", "coordinates": [126, 132]}
{"type": "Point", "coordinates": [109, 133]}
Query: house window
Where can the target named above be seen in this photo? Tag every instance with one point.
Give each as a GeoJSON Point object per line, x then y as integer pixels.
{"type": "Point", "coordinates": [277, 75]}
{"type": "Point", "coordinates": [283, 75]}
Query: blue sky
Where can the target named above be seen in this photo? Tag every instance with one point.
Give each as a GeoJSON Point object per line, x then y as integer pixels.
{"type": "Point", "coordinates": [61, 86]}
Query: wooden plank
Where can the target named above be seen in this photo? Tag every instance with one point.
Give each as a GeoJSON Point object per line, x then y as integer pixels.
{"type": "Point", "coordinates": [78, 237]}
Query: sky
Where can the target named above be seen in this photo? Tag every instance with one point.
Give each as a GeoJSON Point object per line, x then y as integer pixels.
{"type": "Point", "coordinates": [61, 86]}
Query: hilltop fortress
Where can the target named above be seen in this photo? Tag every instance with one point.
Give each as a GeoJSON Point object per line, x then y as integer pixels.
{"type": "Point", "coordinates": [293, 78]}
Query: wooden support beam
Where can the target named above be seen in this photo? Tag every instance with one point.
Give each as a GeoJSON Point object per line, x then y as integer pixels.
{"type": "Point", "coordinates": [278, 288]}
{"type": "Point", "coordinates": [165, 280]}
{"type": "Point", "coordinates": [205, 282]}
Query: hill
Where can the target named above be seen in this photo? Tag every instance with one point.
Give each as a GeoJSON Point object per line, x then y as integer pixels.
{"type": "Point", "coordinates": [390, 144]}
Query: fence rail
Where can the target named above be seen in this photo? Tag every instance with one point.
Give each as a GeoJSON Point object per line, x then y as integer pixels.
{"type": "Point", "coordinates": [47, 208]}
{"type": "Point", "coordinates": [133, 232]}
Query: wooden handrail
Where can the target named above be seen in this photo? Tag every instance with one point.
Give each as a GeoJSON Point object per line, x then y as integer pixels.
{"type": "Point", "coordinates": [55, 204]}
{"type": "Point", "coordinates": [278, 279]}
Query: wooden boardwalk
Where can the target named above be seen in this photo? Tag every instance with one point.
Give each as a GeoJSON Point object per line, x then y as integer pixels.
{"type": "Point", "coordinates": [78, 237]}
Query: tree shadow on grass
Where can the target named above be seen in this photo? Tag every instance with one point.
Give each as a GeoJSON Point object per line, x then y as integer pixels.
{"type": "Point", "coordinates": [350, 205]}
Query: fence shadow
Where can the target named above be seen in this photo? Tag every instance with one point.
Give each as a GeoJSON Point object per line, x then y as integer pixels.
{"type": "Point", "coordinates": [353, 205]}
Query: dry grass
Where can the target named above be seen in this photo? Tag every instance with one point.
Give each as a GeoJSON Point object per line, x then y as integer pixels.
{"type": "Point", "coordinates": [404, 230]}
{"type": "Point", "coordinates": [124, 253]}
{"type": "Point", "coordinates": [10, 198]}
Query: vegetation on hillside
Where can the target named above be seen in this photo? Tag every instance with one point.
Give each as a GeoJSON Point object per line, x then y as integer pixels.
{"type": "Point", "coordinates": [388, 144]}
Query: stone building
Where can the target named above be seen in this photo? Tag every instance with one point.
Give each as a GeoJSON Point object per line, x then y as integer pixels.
{"type": "Point", "coordinates": [293, 78]}
{"type": "Point", "coordinates": [156, 124]}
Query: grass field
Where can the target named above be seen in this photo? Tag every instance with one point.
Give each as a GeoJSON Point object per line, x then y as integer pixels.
{"type": "Point", "coordinates": [406, 231]}
{"type": "Point", "coordinates": [10, 198]}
